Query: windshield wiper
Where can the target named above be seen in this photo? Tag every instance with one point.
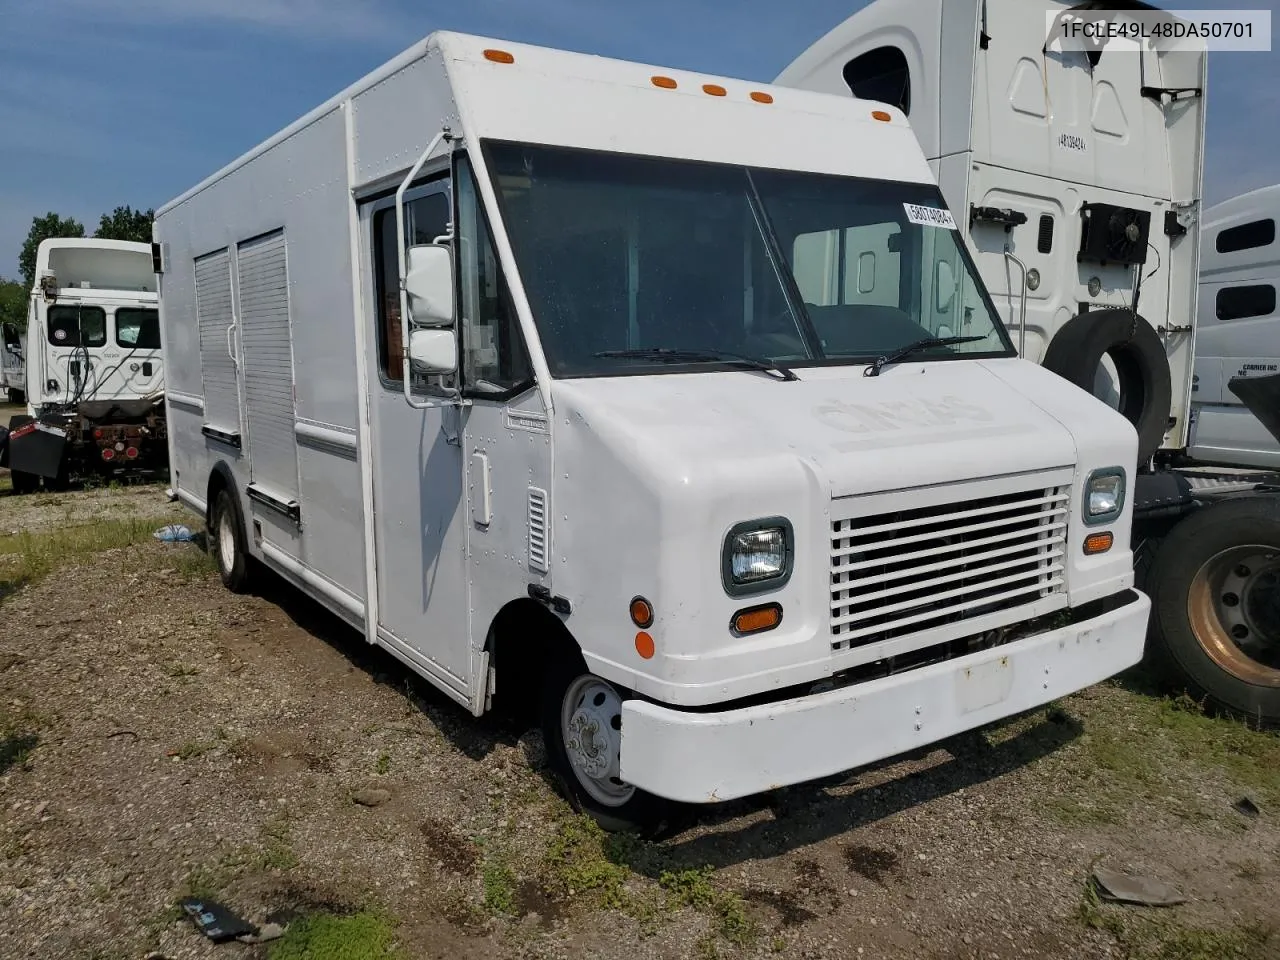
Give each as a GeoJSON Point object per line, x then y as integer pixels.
{"type": "Point", "coordinates": [913, 348]}
{"type": "Point", "coordinates": [671, 355]}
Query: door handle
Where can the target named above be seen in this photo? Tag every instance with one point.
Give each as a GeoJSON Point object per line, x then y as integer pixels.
{"type": "Point", "coordinates": [230, 350]}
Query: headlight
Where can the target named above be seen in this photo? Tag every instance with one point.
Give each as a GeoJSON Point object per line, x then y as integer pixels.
{"type": "Point", "coordinates": [1104, 495]}
{"type": "Point", "coordinates": [757, 556]}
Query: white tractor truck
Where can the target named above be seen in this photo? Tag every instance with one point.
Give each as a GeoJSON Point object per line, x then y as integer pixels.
{"type": "Point", "coordinates": [1075, 170]}
{"type": "Point", "coordinates": [94, 367]}
{"type": "Point", "coordinates": [511, 357]}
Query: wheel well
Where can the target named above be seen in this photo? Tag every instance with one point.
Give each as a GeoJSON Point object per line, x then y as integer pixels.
{"type": "Point", "coordinates": [524, 637]}
{"type": "Point", "coordinates": [219, 480]}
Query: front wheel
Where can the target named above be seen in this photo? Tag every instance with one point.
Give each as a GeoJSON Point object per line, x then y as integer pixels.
{"type": "Point", "coordinates": [227, 541]}
{"type": "Point", "coordinates": [582, 728]}
{"type": "Point", "coordinates": [24, 482]}
{"type": "Point", "coordinates": [1215, 590]}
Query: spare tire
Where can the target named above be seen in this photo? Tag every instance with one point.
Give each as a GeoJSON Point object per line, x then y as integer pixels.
{"type": "Point", "coordinates": [1140, 361]}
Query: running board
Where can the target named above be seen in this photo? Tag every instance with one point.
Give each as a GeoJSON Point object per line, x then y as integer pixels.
{"type": "Point", "coordinates": [288, 508]}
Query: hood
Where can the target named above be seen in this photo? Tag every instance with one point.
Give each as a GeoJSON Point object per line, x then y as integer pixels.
{"type": "Point", "coordinates": [915, 425]}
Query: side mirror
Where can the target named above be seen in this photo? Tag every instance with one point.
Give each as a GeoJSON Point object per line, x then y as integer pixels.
{"type": "Point", "coordinates": [429, 283]}
{"type": "Point", "coordinates": [944, 286]}
{"type": "Point", "coordinates": [434, 351]}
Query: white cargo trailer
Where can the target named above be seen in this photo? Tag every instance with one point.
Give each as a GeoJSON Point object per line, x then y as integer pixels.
{"type": "Point", "coordinates": [1239, 328]}
{"type": "Point", "coordinates": [511, 358]}
{"type": "Point", "coordinates": [94, 365]}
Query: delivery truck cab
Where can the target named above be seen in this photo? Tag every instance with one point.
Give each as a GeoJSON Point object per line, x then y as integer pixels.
{"type": "Point", "coordinates": [697, 428]}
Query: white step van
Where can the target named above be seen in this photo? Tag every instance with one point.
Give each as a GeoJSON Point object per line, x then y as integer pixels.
{"type": "Point", "coordinates": [527, 364]}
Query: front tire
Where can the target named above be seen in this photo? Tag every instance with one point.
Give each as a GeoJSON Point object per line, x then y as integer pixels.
{"type": "Point", "coordinates": [227, 541]}
{"type": "Point", "coordinates": [582, 729]}
{"type": "Point", "coordinates": [1215, 591]}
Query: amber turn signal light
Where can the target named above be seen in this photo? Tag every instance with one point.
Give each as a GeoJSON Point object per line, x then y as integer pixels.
{"type": "Point", "coordinates": [666, 83]}
{"type": "Point", "coordinates": [1097, 543]}
{"type": "Point", "coordinates": [642, 613]}
{"type": "Point", "coordinates": [499, 56]}
{"type": "Point", "coordinates": [756, 619]}
{"type": "Point", "coordinates": [881, 116]}
{"type": "Point", "coordinates": [644, 645]}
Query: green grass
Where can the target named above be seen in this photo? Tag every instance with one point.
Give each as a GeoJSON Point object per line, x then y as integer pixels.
{"type": "Point", "coordinates": [582, 859]}
{"type": "Point", "coordinates": [1138, 751]}
{"type": "Point", "coordinates": [359, 936]}
{"type": "Point", "coordinates": [384, 763]}
{"type": "Point", "coordinates": [19, 737]}
{"type": "Point", "coordinates": [27, 556]}
{"type": "Point", "coordinates": [695, 888]}
{"type": "Point", "coordinates": [499, 887]}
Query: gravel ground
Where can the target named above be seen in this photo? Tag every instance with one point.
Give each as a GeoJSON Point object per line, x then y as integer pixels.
{"type": "Point", "coordinates": [160, 736]}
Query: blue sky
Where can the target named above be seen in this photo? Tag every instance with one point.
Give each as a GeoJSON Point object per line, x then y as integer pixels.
{"type": "Point", "coordinates": [108, 102]}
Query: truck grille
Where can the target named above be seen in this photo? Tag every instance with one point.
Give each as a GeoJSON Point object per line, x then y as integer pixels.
{"type": "Point", "coordinates": [910, 570]}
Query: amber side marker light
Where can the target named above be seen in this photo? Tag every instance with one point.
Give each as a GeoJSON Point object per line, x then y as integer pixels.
{"type": "Point", "coordinates": [1097, 543]}
{"type": "Point", "coordinates": [881, 116]}
{"type": "Point", "coordinates": [499, 56]}
{"type": "Point", "coordinates": [642, 613]}
{"type": "Point", "coordinates": [760, 97]}
{"type": "Point", "coordinates": [644, 645]}
{"type": "Point", "coordinates": [666, 83]}
{"type": "Point", "coordinates": [756, 619]}
{"type": "Point", "coordinates": [714, 90]}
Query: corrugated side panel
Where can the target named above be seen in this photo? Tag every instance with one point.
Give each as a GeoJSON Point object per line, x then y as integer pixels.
{"type": "Point", "coordinates": [213, 314]}
{"type": "Point", "coordinates": [268, 363]}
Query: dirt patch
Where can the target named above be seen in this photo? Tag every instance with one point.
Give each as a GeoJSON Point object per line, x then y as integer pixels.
{"type": "Point", "coordinates": [160, 736]}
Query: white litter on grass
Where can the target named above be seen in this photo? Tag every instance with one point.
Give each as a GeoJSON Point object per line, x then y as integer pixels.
{"type": "Point", "coordinates": [174, 533]}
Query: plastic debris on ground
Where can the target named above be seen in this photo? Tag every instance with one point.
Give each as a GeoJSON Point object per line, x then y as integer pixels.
{"type": "Point", "coordinates": [1143, 891]}
{"type": "Point", "coordinates": [175, 533]}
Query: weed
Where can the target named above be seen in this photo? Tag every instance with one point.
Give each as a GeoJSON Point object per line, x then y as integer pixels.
{"type": "Point", "coordinates": [192, 749]}
{"type": "Point", "coordinates": [31, 555]}
{"type": "Point", "coordinates": [581, 858]}
{"type": "Point", "coordinates": [693, 888]}
{"type": "Point", "coordinates": [1247, 942]}
{"type": "Point", "coordinates": [19, 736]}
{"type": "Point", "coordinates": [358, 936]}
{"type": "Point", "coordinates": [499, 887]}
{"type": "Point", "coordinates": [384, 763]}
{"type": "Point", "coordinates": [277, 852]}
{"type": "Point", "coordinates": [182, 670]}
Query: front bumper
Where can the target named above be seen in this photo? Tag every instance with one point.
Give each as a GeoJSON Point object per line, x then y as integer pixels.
{"type": "Point", "coordinates": [710, 757]}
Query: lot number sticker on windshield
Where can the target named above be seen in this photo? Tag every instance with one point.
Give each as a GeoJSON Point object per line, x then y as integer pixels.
{"type": "Point", "coordinates": [930, 216]}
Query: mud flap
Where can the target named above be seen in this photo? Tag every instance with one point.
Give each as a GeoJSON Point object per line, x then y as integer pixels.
{"type": "Point", "coordinates": [36, 447]}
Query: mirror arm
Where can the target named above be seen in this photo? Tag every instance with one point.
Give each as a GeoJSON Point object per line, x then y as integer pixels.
{"type": "Point", "coordinates": [402, 256]}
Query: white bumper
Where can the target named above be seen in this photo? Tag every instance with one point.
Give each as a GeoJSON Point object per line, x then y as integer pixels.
{"type": "Point", "coordinates": [709, 757]}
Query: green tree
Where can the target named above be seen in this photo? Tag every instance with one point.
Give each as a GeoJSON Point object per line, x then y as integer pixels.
{"type": "Point", "coordinates": [125, 223]}
{"type": "Point", "coordinates": [13, 304]}
{"type": "Point", "coordinates": [43, 228]}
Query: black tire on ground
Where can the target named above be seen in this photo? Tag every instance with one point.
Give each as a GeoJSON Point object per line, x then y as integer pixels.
{"type": "Point", "coordinates": [631, 810]}
{"type": "Point", "coordinates": [17, 396]}
{"type": "Point", "coordinates": [24, 482]}
{"type": "Point", "coordinates": [1140, 361]}
{"type": "Point", "coordinates": [227, 541]}
{"type": "Point", "coordinates": [1215, 620]}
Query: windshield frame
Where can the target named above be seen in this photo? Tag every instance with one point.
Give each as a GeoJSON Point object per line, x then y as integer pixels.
{"type": "Point", "coordinates": [777, 258]}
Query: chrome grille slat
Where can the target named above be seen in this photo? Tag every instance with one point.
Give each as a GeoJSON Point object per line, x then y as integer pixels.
{"type": "Point", "coordinates": [895, 574]}
{"type": "Point", "coordinates": [917, 585]}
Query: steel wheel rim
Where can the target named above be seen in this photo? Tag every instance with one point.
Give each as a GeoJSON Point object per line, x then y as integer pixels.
{"type": "Point", "coordinates": [1234, 609]}
{"type": "Point", "coordinates": [591, 731]}
{"type": "Point", "coordinates": [226, 542]}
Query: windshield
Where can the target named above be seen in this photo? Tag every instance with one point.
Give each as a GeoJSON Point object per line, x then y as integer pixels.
{"type": "Point", "coordinates": [138, 328]}
{"type": "Point", "coordinates": [621, 253]}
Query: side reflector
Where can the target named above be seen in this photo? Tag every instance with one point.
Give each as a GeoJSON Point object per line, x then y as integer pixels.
{"type": "Point", "coordinates": [665, 82]}
{"type": "Point", "coordinates": [499, 56]}
{"type": "Point", "coordinates": [881, 115]}
{"type": "Point", "coordinates": [1097, 543]}
{"type": "Point", "coordinates": [760, 97]}
{"type": "Point", "coordinates": [714, 89]}
{"type": "Point", "coordinates": [644, 645]}
{"type": "Point", "coordinates": [756, 619]}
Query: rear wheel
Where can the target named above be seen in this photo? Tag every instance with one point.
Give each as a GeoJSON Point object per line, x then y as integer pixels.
{"type": "Point", "coordinates": [227, 541]}
{"type": "Point", "coordinates": [582, 728]}
{"type": "Point", "coordinates": [1215, 587]}
{"type": "Point", "coordinates": [24, 482]}
{"type": "Point", "coordinates": [17, 396]}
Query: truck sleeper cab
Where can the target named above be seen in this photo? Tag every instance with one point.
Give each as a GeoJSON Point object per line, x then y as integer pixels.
{"type": "Point", "coordinates": [696, 428]}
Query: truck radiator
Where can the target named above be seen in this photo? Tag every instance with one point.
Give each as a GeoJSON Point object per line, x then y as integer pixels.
{"type": "Point", "coordinates": [899, 573]}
